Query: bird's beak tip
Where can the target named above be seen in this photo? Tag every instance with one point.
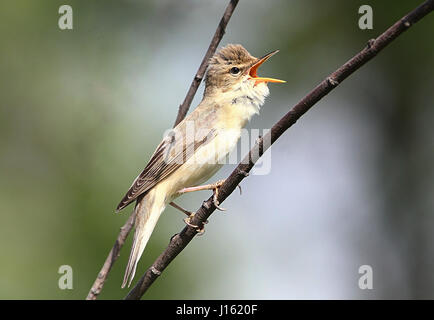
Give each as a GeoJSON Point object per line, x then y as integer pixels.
{"type": "Point", "coordinates": [258, 63]}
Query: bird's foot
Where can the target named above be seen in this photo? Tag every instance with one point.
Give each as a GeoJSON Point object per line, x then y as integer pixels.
{"type": "Point", "coordinates": [187, 219]}
{"type": "Point", "coordinates": [199, 230]}
{"type": "Point", "coordinates": [216, 186]}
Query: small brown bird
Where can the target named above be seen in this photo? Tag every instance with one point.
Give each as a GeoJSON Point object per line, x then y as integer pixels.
{"type": "Point", "coordinates": [196, 148]}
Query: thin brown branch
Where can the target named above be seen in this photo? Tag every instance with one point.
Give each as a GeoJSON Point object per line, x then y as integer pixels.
{"type": "Point", "coordinates": [183, 109]}
{"type": "Point", "coordinates": [181, 240]}
{"type": "Point", "coordinates": [218, 35]}
{"type": "Point", "coordinates": [111, 258]}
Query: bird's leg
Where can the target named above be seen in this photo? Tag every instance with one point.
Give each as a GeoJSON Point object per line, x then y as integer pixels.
{"type": "Point", "coordinates": [188, 213]}
{"type": "Point", "coordinates": [214, 186]}
{"type": "Point", "coordinates": [187, 219]}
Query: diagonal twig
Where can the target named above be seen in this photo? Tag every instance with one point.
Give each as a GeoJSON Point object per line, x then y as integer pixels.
{"type": "Point", "coordinates": [183, 109]}
{"type": "Point", "coordinates": [218, 35]}
{"type": "Point", "coordinates": [181, 240]}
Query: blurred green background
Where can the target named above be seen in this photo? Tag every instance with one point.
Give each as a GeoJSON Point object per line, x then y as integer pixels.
{"type": "Point", "coordinates": [351, 184]}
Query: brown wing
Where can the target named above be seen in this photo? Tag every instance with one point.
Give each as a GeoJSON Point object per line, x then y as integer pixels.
{"type": "Point", "coordinates": [172, 153]}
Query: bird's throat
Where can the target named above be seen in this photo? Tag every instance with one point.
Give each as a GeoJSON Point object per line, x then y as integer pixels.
{"type": "Point", "coordinates": [249, 97]}
{"type": "Point", "coordinates": [240, 104]}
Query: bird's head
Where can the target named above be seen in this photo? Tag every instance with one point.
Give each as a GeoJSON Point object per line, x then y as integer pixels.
{"type": "Point", "coordinates": [233, 66]}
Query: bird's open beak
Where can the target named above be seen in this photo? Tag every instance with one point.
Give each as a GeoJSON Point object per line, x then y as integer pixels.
{"type": "Point", "coordinates": [253, 69]}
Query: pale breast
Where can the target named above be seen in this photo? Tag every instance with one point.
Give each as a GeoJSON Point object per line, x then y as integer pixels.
{"type": "Point", "coordinates": [227, 114]}
{"type": "Point", "coordinates": [208, 159]}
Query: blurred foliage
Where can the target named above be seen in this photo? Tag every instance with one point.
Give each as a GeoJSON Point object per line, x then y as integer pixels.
{"type": "Point", "coordinates": [75, 124]}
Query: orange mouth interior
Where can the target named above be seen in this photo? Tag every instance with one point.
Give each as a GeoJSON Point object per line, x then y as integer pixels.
{"type": "Point", "coordinates": [253, 72]}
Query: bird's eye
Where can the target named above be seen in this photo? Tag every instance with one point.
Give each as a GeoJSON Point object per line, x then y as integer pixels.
{"type": "Point", "coordinates": [234, 71]}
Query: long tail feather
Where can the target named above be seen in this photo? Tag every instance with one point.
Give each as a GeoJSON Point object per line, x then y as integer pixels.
{"type": "Point", "coordinates": [148, 211]}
